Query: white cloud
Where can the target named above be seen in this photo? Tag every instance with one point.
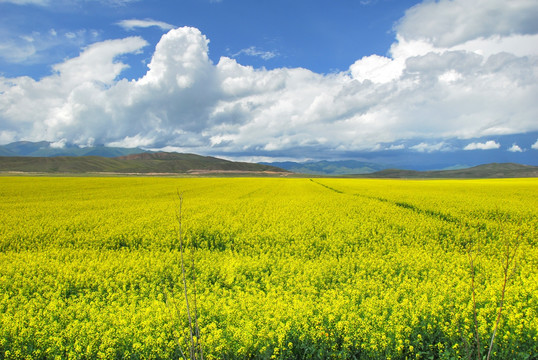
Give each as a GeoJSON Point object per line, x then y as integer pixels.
{"type": "Point", "coordinates": [425, 147]}
{"type": "Point", "coordinates": [36, 46]}
{"type": "Point", "coordinates": [378, 69]}
{"type": "Point", "coordinates": [137, 23]}
{"type": "Point", "coordinates": [516, 44]}
{"type": "Point", "coordinates": [58, 144]}
{"type": "Point", "coordinates": [97, 62]}
{"type": "Point", "coordinates": [427, 87]}
{"type": "Point", "coordinates": [488, 145]}
{"type": "Point", "coordinates": [379, 147]}
{"type": "Point", "coordinates": [515, 148]}
{"type": "Point", "coordinates": [132, 141]}
{"type": "Point", "coordinates": [446, 23]}
{"type": "Point", "coordinates": [450, 76]}
{"type": "Point", "coordinates": [70, 104]}
{"type": "Point", "coordinates": [535, 145]}
{"type": "Point", "coordinates": [7, 137]}
{"type": "Point", "coordinates": [15, 52]}
{"type": "Point", "coordinates": [254, 51]}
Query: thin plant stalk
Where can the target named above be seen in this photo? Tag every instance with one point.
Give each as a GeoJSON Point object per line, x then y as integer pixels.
{"type": "Point", "coordinates": [179, 218]}
{"type": "Point", "coordinates": [477, 336]}
{"type": "Point", "coordinates": [506, 269]}
{"type": "Point", "coordinates": [196, 327]}
{"type": "Point", "coordinates": [178, 342]}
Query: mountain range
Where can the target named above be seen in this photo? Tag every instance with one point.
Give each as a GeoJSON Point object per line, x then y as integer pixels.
{"type": "Point", "coordinates": [47, 157]}
{"type": "Point", "coordinates": [143, 163]}
{"type": "Point", "coordinates": [324, 167]}
{"type": "Point", "coordinates": [492, 170]}
{"type": "Point", "coordinates": [50, 149]}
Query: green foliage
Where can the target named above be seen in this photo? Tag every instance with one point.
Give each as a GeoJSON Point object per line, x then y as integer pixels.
{"type": "Point", "coordinates": [285, 268]}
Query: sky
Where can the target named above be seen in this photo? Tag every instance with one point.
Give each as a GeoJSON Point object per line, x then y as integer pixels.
{"type": "Point", "coordinates": [275, 80]}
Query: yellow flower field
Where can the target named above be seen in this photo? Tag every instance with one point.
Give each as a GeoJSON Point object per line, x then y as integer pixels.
{"type": "Point", "coordinates": [279, 268]}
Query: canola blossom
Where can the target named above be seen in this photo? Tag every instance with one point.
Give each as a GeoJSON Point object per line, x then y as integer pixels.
{"type": "Point", "coordinates": [279, 268]}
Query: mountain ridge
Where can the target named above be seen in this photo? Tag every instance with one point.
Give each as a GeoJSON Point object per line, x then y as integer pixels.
{"type": "Point", "coordinates": [164, 163]}
{"type": "Point", "coordinates": [484, 171]}
{"type": "Point", "coordinates": [50, 149]}
{"type": "Point", "coordinates": [21, 157]}
{"type": "Point", "coordinates": [326, 167]}
{"type": "Point", "coordinates": [145, 163]}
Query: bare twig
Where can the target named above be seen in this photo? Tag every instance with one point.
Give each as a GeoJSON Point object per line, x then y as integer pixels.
{"type": "Point", "coordinates": [184, 277]}
{"type": "Point", "coordinates": [198, 344]}
{"type": "Point", "coordinates": [477, 336]}
{"type": "Point", "coordinates": [177, 338]}
{"type": "Point", "coordinates": [509, 259]}
{"type": "Point", "coordinates": [195, 346]}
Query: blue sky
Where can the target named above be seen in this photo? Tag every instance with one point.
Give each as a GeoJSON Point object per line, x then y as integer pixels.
{"type": "Point", "coordinates": [310, 34]}
{"type": "Point", "coordinates": [274, 80]}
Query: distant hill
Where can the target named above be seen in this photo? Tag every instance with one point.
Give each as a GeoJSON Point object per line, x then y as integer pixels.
{"type": "Point", "coordinates": [324, 167]}
{"type": "Point", "coordinates": [493, 170]}
{"type": "Point", "coordinates": [47, 157]}
{"type": "Point", "coordinates": [48, 149]}
{"type": "Point", "coordinates": [145, 163]}
{"type": "Point", "coordinates": [6, 152]}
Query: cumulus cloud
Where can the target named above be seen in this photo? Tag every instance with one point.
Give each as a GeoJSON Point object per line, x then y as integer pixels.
{"type": "Point", "coordinates": [515, 148]}
{"type": "Point", "coordinates": [396, 147]}
{"type": "Point", "coordinates": [535, 145]}
{"type": "Point", "coordinates": [426, 87]}
{"type": "Point", "coordinates": [7, 137]}
{"type": "Point", "coordinates": [133, 141]}
{"type": "Point", "coordinates": [378, 69]}
{"type": "Point", "coordinates": [392, 147]}
{"type": "Point", "coordinates": [132, 24]}
{"type": "Point", "coordinates": [97, 62]}
{"type": "Point", "coordinates": [425, 147]}
{"type": "Point", "coordinates": [447, 23]}
{"type": "Point", "coordinates": [488, 145]}
{"type": "Point", "coordinates": [70, 104]}
{"type": "Point", "coordinates": [58, 144]}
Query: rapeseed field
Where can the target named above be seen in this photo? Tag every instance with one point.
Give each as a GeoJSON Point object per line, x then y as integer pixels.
{"type": "Point", "coordinates": [90, 268]}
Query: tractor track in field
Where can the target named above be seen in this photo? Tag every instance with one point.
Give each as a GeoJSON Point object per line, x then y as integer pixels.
{"type": "Point", "coordinates": [404, 205]}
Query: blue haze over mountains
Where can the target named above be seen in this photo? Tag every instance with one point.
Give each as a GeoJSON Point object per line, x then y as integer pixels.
{"type": "Point", "coordinates": [451, 156]}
